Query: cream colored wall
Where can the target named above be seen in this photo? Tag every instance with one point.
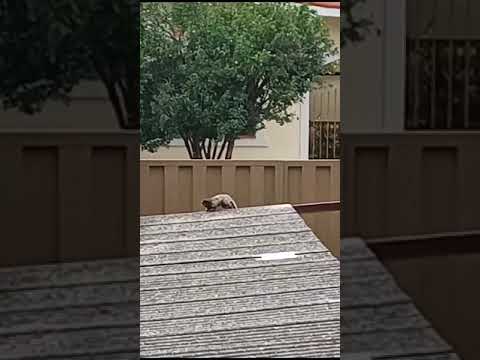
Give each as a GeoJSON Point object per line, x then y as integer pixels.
{"type": "Point", "coordinates": [364, 93]}
{"type": "Point", "coordinates": [89, 109]}
{"type": "Point", "coordinates": [333, 24]}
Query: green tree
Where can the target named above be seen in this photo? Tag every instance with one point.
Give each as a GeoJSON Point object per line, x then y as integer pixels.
{"type": "Point", "coordinates": [354, 28]}
{"type": "Point", "coordinates": [48, 47]}
{"type": "Point", "coordinates": [213, 71]}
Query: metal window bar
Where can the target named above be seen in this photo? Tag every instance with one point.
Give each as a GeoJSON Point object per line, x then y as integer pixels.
{"type": "Point", "coordinates": [324, 139]}
{"type": "Point", "coordinates": [433, 45]}
{"type": "Point", "coordinates": [434, 88]}
{"type": "Point", "coordinates": [450, 84]}
{"type": "Point", "coordinates": [466, 112]}
{"type": "Point", "coordinates": [416, 82]}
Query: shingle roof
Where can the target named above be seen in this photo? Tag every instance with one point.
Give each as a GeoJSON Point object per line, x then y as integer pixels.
{"type": "Point", "coordinates": [379, 320]}
{"type": "Point", "coordinates": [204, 291]}
{"type": "Point", "coordinates": [73, 309]}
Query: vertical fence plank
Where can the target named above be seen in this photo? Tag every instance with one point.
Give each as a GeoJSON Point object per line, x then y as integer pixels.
{"type": "Point", "coordinates": [214, 179]}
{"type": "Point", "coordinates": [39, 202]}
{"type": "Point", "coordinates": [132, 201]}
{"type": "Point", "coordinates": [199, 184]}
{"type": "Point", "coordinates": [10, 205]}
{"type": "Point", "coordinates": [75, 189]}
{"type": "Point", "coordinates": [308, 183]}
{"type": "Point", "coordinates": [144, 187]}
{"type": "Point", "coordinates": [185, 187]}
{"type": "Point", "coordinates": [334, 181]}
{"type": "Point", "coordinates": [257, 183]}
{"type": "Point", "coordinates": [404, 205]}
{"type": "Point", "coordinates": [228, 179]}
{"type": "Point", "coordinates": [152, 187]}
{"type": "Point", "coordinates": [171, 189]}
{"type": "Point", "coordinates": [242, 184]}
{"type": "Point", "coordinates": [280, 182]}
{"type": "Point", "coordinates": [308, 186]}
{"type": "Point", "coordinates": [107, 212]}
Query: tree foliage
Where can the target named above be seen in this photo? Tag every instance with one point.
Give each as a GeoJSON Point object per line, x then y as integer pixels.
{"type": "Point", "coordinates": [354, 28]}
{"type": "Point", "coordinates": [48, 47]}
{"type": "Point", "coordinates": [213, 71]}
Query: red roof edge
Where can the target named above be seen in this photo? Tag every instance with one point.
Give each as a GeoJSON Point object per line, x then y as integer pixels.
{"type": "Point", "coordinates": [324, 4]}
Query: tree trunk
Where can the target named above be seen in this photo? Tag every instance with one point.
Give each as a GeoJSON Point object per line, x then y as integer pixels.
{"type": "Point", "coordinates": [215, 150]}
{"type": "Point", "coordinates": [220, 153]}
{"type": "Point", "coordinates": [187, 145]}
{"type": "Point", "coordinates": [196, 148]}
{"type": "Point", "coordinates": [209, 151]}
{"type": "Point", "coordinates": [231, 144]}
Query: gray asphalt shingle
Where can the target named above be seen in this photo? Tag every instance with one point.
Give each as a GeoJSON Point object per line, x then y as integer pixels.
{"type": "Point", "coordinates": [84, 309]}
{"type": "Point", "coordinates": [205, 293]}
{"type": "Point", "coordinates": [378, 320]}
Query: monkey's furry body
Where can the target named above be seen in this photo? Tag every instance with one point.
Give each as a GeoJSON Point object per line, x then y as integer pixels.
{"type": "Point", "coordinates": [219, 202]}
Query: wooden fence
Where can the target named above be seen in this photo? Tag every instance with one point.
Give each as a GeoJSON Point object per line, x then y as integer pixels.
{"type": "Point", "coordinates": [415, 197]}
{"type": "Point", "coordinates": [410, 184]}
{"type": "Point", "coordinates": [173, 186]}
{"type": "Point", "coordinates": [68, 196]}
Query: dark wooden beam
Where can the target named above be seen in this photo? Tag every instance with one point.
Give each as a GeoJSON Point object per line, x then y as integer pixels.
{"type": "Point", "coordinates": [443, 244]}
{"type": "Point", "coordinates": [317, 207]}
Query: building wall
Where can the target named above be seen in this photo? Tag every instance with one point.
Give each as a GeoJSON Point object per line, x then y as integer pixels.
{"type": "Point", "coordinates": [363, 91]}
{"type": "Point", "coordinates": [333, 24]}
{"type": "Point", "coordinates": [89, 109]}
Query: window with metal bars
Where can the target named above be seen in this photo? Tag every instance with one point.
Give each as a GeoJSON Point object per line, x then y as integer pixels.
{"type": "Point", "coordinates": [442, 83]}
{"type": "Point", "coordinates": [324, 112]}
{"type": "Point", "coordinates": [442, 65]}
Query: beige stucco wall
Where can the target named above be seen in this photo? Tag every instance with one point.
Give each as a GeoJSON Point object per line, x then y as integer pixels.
{"type": "Point", "coordinates": [333, 24]}
{"type": "Point", "coordinates": [88, 110]}
{"type": "Point", "coordinates": [274, 142]}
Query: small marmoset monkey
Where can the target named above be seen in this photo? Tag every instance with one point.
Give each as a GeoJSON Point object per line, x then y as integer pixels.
{"type": "Point", "coordinates": [219, 202]}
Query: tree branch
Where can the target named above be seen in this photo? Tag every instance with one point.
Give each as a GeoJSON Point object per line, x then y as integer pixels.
{"type": "Point", "coordinates": [207, 156]}
{"type": "Point", "coordinates": [215, 150]}
{"type": "Point", "coordinates": [231, 143]}
{"type": "Point", "coordinates": [112, 94]}
{"type": "Point", "coordinates": [209, 147]}
{"type": "Point", "coordinates": [187, 145]}
{"type": "Point", "coordinates": [222, 148]}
